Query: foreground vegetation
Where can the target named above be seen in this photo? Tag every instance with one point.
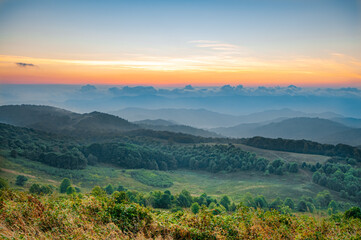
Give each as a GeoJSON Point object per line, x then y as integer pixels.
{"type": "Point", "coordinates": [98, 215]}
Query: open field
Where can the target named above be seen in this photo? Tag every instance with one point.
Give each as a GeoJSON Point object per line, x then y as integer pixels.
{"type": "Point", "coordinates": [235, 185]}
{"type": "Point", "coordinates": [288, 156]}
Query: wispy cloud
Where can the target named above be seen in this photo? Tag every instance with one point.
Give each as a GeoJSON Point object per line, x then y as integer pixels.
{"type": "Point", "coordinates": [21, 64]}
{"type": "Point", "coordinates": [215, 45]}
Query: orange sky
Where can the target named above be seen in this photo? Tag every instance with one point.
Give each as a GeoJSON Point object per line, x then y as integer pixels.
{"type": "Point", "coordinates": [336, 70]}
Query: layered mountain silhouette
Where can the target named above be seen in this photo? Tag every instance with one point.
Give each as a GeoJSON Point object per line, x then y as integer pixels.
{"type": "Point", "coordinates": [58, 120]}
{"type": "Point", "coordinates": [316, 129]}
{"type": "Point", "coordinates": [202, 118]}
{"type": "Point", "coordinates": [170, 126]}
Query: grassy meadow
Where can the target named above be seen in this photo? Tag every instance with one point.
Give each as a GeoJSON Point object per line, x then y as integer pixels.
{"type": "Point", "coordinates": [235, 185]}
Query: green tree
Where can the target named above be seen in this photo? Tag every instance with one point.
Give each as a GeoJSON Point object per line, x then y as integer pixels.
{"type": "Point", "coordinates": [302, 206]}
{"type": "Point", "coordinates": [165, 200]}
{"type": "Point", "coordinates": [260, 201]}
{"type": "Point", "coordinates": [20, 180]}
{"type": "Point", "coordinates": [64, 185]}
{"type": "Point", "coordinates": [120, 197]}
{"type": "Point", "coordinates": [354, 212]}
{"type": "Point", "coordinates": [332, 207]}
{"type": "Point", "coordinates": [276, 204]}
{"type": "Point", "coordinates": [109, 189]}
{"type": "Point", "coordinates": [40, 189]}
{"type": "Point", "coordinates": [289, 202]}
{"type": "Point", "coordinates": [70, 190]}
{"type": "Point", "coordinates": [13, 153]}
{"type": "Point", "coordinates": [293, 168]}
{"type": "Point", "coordinates": [225, 202]}
{"type": "Point", "coordinates": [316, 177]}
{"type": "Point", "coordinates": [195, 208]}
{"type": "Point", "coordinates": [120, 188]}
{"type": "Point", "coordinates": [98, 191]}
{"type": "Point", "coordinates": [184, 199]}
{"type": "Point", "coordinates": [323, 199]}
{"type": "Point", "coordinates": [3, 183]}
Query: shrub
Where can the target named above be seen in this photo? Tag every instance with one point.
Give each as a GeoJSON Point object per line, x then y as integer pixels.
{"type": "Point", "coordinates": [64, 185]}
{"type": "Point", "coordinates": [302, 206]}
{"type": "Point", "coordinates": [109, 189]}
{"type": "Point", "coordinates": [70, 190]}
{"type": "Point", "coordinates": [3, 183]}
{"type": "Point", "coordinates": [354, 212]}
{"type": "Point", "coordinates": [20, 180]}
{"type": "Point", "coordinates": [130, 217]}
{"type": "Point", "coordinates": [40, 189]}
{"type": "Point", "coordinates": [195, 208]}
{"type": "Point", "coordinates": [98, 191]}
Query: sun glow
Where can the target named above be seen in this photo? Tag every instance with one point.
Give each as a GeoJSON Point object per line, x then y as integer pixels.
{"type": "Point", "coordinates": [213, 69]}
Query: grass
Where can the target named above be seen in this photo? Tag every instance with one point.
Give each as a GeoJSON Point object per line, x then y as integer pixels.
{"type": "Point", "coordinates": [152, 178]}
{"type": "Point", "coordinates": [288, 156]}
{"type": "Point", "coordinates": [235, 185]}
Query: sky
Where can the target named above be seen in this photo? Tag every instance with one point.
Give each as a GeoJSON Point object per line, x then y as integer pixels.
{"type": "Point", "coordinates": [175, 43]}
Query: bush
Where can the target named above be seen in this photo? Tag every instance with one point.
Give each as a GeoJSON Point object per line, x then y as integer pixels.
{"type": "Point", "coordinates": [70, 190]}
{"type": "Point", "coordinates": [195, 208]}
{"type": "Point", "coordinates": [3, 183]}
{"type": "Point", "coordinates": [302, 206]}
{"type": "Point", "coordinates": [130, 217]}
{"type": "Point", "coordinates": [40, 189]}
{"type": "Point", "coordinates": [289, 202]}
{"type": "Point", "coordinates": [354, 212]}
{"type": "Point", "coordinates": [64, 185]}
{"type": "Point", "coordinates": [20, 180]}
{"type": "Point", "coordinates": [98, 191]}
{"type": "Point", "coordinates": [109, 189]}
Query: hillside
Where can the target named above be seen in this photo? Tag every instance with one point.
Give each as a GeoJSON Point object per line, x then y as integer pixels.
{"type": "Point", "coordinates": [58, 120]}
{"type": "Point", "coordinates": [300, 128]}
{"type": "Point", "coordinates": [163, 125]}
{"type": "Point", "coordinates": [350, 122]}
{"type": "Point", "coordinates": [98, 216]}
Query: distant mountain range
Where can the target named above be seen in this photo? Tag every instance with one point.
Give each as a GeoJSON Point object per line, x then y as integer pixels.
{"type": "Point", "coordinates": [202, 118]}
{"type": "Point", "coordinates": [266, 124]}
{"type": "Point", "coordinates": [316, 129]}
{"type": "Point", "coordinates": [56, 120]}
{"type": "Point", "coordinates": [170, 126]}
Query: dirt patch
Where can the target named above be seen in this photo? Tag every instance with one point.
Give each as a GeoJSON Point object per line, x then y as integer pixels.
{"type": "Point", "coordinates": [17, 173]}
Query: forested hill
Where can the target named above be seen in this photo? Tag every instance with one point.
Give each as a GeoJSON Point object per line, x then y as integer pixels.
{"type": "Point", "coordinates": [176, 128]}
{"type": "Point", "coordinates": [304, 146]}
{"type": "Point", "coordinates": [94, 124]}
{"type": "Point", "coordinates": [58, 120]}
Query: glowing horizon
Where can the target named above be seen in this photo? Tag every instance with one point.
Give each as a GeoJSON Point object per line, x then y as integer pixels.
{"type": "Point", "coordinates": [67, 46]}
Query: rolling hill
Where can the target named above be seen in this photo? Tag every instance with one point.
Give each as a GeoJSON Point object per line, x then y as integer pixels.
{"type": "Point", "coordinates": [58, 120]}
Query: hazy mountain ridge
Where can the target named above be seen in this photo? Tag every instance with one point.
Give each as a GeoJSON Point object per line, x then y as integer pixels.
{"type": "Point", "coordinates": [58, 120]}
{"type": "Point", "coordinates": [171, 127]}
{"type": "Point", "coordinates": [203, 118]}
{"type": "Point", "coordinates": [54, 119]}
{"type": "Point", "coordinates": [316, 129]}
